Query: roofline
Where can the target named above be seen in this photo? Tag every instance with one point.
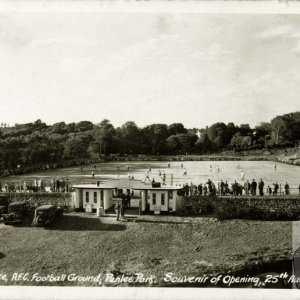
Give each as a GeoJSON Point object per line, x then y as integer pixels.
{"type": "Point", "coordinates": [170, 188]}
{"type": "Point", "coordinates": [162, 188]}
{"type": "Point", "coordinates": [93, 187]}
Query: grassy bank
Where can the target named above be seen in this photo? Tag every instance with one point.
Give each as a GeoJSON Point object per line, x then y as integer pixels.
{"type": "Point", "coordinates": [152, 245]}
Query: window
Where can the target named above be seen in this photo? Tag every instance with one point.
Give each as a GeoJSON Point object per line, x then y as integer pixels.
{"type": "Point", "coordinates": [154, 198]}
{"type": "Point", "coordinates": [87, 196]}
{"type": "Point", "coordinates": [101, 198]}
{"type": "Point", "coordinates": [170, 194]}
{"type": "Point", "coordinates": [162, 199]}
{"type": "Point", "coordinates": [95, 197]}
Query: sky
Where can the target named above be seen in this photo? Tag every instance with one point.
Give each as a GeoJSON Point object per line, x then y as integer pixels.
{"type": "Point", "coordinates": [196, 69]}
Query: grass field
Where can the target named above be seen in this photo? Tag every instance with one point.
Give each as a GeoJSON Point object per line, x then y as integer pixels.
{"type": "Point", "coordinates": [197, 171]}
{"type": "Point", "coordinates": [152, 245]}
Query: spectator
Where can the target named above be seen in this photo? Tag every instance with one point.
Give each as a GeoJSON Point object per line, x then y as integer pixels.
{"type": "Point", "coordinates": [261, 187]}
{"type": "Point", "coordinates": [222, 186]}
{"type": "Point", "coordinates": [287, 188]}
{"type": "Point", "coordinates": [200, 188]}
{"type": "Point", "coordinates": [247, 187]}
{"type": "Point", "coordinates": [118, 210]}
{"type": "Point", "coordinates": [269, 190]}
{"type": "Point", "coordinates": [275, 190]}
{"type": "Point", "coordinates": [253, 187]}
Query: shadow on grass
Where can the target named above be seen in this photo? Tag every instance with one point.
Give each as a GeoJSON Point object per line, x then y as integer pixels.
{"type": "Point", "coordinates": [77, 223]}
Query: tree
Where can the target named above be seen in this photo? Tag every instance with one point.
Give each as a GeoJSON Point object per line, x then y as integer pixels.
{"type": "Point", "coordinates": [84, 126]}
{"type": "Point", "coordinates": [156, 134]}
{"type": "Point", "coordinates": [129, 138]}
{"type": "Point", "coordinates": [60, 128]}
{"type": "Point", "coordinates": [173, 144]}
{"type": "Point", "coordinates": [285, 128]}
{"type": "Point", "coordinates": [104, 136]}
{"type": "Point", "coordinates": [203, 144]}
{"type": "Point", "coordinates": [77, 145]}
{"type": "Point", "coordinates": [176, 128]}
{"type": "Point", "coordinates": [217, 134]}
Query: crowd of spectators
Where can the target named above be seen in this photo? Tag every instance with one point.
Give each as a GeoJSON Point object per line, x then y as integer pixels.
{"type": "Point", "coordinates": [224, 188]}
{"type": "Point", "coordinates": [37, 185]}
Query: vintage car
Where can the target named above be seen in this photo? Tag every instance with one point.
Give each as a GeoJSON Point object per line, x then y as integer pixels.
{"type": "Point", "coordinates": [3, 205]}
{"type": "Point", "coordinates": [17, 213]}
{"type": "Point", "coordinates": [3, 210]}
{"type": "Point", "coordinates": [46, 215]}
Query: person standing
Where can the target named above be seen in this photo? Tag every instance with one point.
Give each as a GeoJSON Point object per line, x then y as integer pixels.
{"type": "Point", "coordinates": [24, 187]}
{"type": "Point", "coordinates": [261, 187]}
{"type": "Point", "coordinates": [122, 209]}
{"type": "Point", "coordinates": [200, 189]}
{"type": "Point", "coordinates": [269, 189]}
{"type": "Point", "coordinates": [62, 185]}
{"type": "Point", "coordinates": [226, 188]}
{"type": "Point", "coordinates": [128, 199]}
{"type": "Point", "coordinates": [287, 188]}
{"type": "Point", "coordinates": [275, 190]}
{"type": "Point", "coordinates": [247, 187]}
{"type": "Point", "coordinates": [118, 210]}
{"type": "Point", "coordinates": [123, 197]}
{"type": "Point", "coordinates": [67, 185]}
{"type": "Point", "coordinates": [57, 186]}
{"type": "Point", "coordinates": [242, 175]}
{"type": "Point", "coordinates": [222, 187]}
{"type": "Point", "coordinates": [253, 187]}
{"type": "Point", "coordinates": [205, 189]}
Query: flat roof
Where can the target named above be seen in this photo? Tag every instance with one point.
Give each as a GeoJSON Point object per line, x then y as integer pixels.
{"type": "Point", "coordinates": [125, 184]}
{"type": "Point", "coordinates": [46, 206]}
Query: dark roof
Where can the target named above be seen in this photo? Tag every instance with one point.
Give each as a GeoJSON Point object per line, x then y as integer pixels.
{"type": "Point", "coordinates": [45, 207]}
{"type": "Point", "coordinates": [17, 203]}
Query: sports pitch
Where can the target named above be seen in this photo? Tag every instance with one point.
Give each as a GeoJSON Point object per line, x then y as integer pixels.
{"type": "Point", "coordinates": [196, 172]}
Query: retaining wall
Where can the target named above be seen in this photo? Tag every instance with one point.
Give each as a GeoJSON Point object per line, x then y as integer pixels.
{"type": "Point", "coordinates": [36, 199]}
{"type": "Point", "coordinates": [280, 207]}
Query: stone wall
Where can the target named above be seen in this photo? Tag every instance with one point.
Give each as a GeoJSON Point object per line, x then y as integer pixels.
{"type": "Point", "coordinates": [36, 199]}
{"type": "Point", "coordinates": [280, 207]}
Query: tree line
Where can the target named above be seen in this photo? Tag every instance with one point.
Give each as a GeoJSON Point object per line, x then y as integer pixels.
{"type": "Point", "coordinates": [37, 142]}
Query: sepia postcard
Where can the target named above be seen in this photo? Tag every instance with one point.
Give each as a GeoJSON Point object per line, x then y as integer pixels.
{"type": "Point", "coordinates": [149, 150]}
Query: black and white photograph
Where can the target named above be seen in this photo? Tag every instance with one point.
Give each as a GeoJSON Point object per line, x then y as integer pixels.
{"type": "Point", "coordinates": [149, 149]}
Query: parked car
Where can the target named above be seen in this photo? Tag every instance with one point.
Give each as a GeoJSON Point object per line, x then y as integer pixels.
{"type": "Point", "coordinates": [17, 213]}
{"type": "Point", "coordinates": [3, 205]}
{"type": "Point", "coordinates": [3, 210]}
{"type": "Point", "coordinates": [46, 215]}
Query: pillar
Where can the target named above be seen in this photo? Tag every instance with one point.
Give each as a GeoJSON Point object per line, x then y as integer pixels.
{"type": "Point", "coordinates": [144, 200]}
